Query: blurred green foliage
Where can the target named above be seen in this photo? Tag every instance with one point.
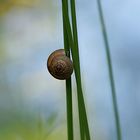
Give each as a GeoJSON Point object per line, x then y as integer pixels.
{"type": "Point", "coordinates": [20, 127]}
{"type": "Point", "coordinates": [18, 121]}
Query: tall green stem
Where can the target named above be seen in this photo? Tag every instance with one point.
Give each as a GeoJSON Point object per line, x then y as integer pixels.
{"type": "Point", "coordinates": [69, 109]}
{"type": "Point", "coordinates": [79, 84]}
{"type": "Point", "coordinates": [112, 83]}
{"type": "Point", "coordinates": [73, 42]}
{"type": "Point", "coordinates": [68, 84]}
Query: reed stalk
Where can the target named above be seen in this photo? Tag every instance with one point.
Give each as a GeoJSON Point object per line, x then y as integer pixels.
{"type": "Point", "coordinates": [112, 82]}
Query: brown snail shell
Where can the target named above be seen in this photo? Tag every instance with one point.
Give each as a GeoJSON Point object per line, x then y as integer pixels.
{"type": "Point", "coordinates": [59, 65]}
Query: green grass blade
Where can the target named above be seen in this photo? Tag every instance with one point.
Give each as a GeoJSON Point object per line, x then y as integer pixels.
{"type": "Point", "coordinates": [69, 109]}
{"type": "Point", "coordinates": [76, 46]}
{"type": "Point", "coordinates": [70, 38]}
{"type": "Point", "coordinates": [114, 98]}
{"type": "Point", "coordinates": [68, 86]}
{"type": "Point", "coordinates": [84, 129]}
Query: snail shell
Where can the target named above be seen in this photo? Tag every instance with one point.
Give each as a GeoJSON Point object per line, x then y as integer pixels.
{"type": "Point", "coordinates": [59, 65]}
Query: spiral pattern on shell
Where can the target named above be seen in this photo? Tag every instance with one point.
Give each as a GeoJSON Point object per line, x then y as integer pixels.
{"type": "Point", "coordinates": [59, 65]}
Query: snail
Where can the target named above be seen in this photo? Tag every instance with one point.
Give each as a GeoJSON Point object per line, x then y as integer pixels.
{"type": "Point", "coordinates": [59, 65]}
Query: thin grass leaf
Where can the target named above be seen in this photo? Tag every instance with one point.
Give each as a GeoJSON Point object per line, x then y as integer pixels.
{"type": "Point", "coordinates": [75, 37]}
{"type": "Point", "coordinates": [69, 109]}
{"type": "Point", "coordinates": [68, 85]}
{"type": "Point", "coordinates": [70, 38]}
{"type": "Point", "coordinates": [112, 83]}
{"type": "Point", "coordinates": [84, 130]}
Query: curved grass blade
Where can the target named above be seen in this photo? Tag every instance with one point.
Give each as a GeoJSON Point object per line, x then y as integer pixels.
{"type": "Point", "coordinates": [112, 83]}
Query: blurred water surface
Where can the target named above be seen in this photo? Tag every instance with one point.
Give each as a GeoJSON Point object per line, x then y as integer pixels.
{"type": "Point", "coordinates": [32, 103]}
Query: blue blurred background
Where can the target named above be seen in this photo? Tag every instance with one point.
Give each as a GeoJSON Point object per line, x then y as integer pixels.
{"type": "Point", "coordinates": [32, 103]}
